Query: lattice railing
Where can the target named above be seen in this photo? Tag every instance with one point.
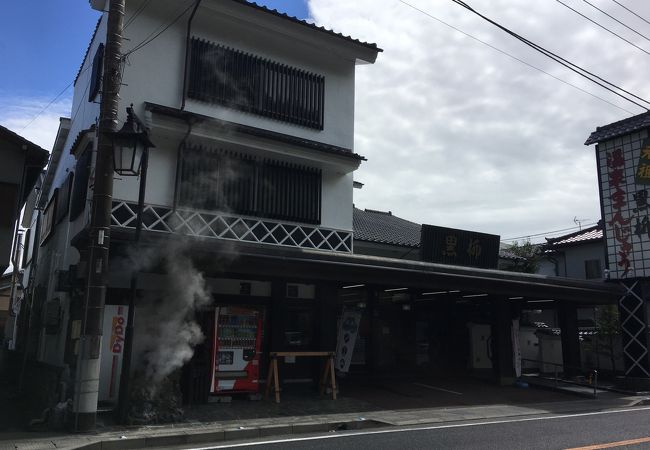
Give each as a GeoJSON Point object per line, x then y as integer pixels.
{"type": "Point", "coordinates": [633, 328]}
{"type": "Point", "coordinates": [231, 227]}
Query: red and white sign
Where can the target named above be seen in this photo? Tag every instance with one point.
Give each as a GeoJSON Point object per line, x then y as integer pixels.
{"type": "Point", "coordinates": [625, 206]}
{"type": "Point", "coordinates": [114, 328]}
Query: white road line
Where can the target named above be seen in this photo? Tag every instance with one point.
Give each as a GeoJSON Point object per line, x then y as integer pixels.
{"type": "Point", "coordinates": [402, 430]}
{"type": "Point", "coordinates": [435, 388]}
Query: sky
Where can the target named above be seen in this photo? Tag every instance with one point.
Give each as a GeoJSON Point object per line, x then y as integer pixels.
{"type": "Point", "coordinates": [456, 133]}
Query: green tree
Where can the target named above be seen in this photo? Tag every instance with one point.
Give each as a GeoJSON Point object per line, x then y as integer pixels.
{"type": "Point", "coordinates": [525, 257]}
{"type": "Point", "coordinates": [608, 326]}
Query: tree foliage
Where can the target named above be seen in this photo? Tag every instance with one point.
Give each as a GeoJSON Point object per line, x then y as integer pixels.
{"type": "Point", "coordinates": [526, 257]}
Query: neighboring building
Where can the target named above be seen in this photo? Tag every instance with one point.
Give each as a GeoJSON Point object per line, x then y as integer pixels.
{"type": "Point", "coordinates": [380, 233]}
{"type": "Point", "coordinates": [623, 162]}
{"type": "Point", "coordinates": [249, 189]}
{"type": "Point", "coordinates": [580, 254]}
{"type": "Point", "coordinates": [22, 163]}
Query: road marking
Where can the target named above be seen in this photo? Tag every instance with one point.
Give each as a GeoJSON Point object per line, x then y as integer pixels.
{"type": "Point", "coordinates": [403, 430]}
{"type": "Point", "coordinates": [613, 444]}
{"type": "Point", "coordinates": [428, 386]}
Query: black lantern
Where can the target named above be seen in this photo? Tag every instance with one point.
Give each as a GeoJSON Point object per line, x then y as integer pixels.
{"type": "Point", "coordinates": [129, 145]}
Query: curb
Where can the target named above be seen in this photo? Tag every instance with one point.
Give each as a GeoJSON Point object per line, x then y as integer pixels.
{"type": "Point", "coordinates": [227, 434]}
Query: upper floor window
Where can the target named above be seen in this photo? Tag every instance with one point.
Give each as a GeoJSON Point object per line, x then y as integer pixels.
{"type": "Point", "coordinates": [80, 185]}
{"type": "Point", "coordinates": [238, 80]}
{"type": "Point", "coordinates": [47, 224]}
{"type": "Point", "coordinates": [225, 181]}
{"type": "Point", "coordinates": [592, 269]}
{"type": "Point", "coordinates": [96, 75]}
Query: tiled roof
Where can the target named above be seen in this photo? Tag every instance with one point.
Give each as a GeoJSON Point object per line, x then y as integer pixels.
{"type": "Point", "coordinates": [619, 128]}
{"type": "Point", "coordinates": [385, 228]}
{"type": "Point", "coordinates": [307, 24]}
{"type": "Point", "coordinates": [506, 253]}
{"type": "Point", "coordinates": [591, 234]}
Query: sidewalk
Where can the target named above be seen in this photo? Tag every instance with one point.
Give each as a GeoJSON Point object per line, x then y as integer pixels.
{"type": "Point", "coordinates": [247, 420]}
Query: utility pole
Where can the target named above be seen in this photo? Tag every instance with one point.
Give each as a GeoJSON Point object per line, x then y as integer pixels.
{"type": "Point", "coordinates": [87, 379]}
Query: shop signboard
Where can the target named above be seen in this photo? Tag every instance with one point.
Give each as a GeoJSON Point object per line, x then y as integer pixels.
{"type": "Point", "coordinates": [459, 247]}
{"type": "Point", "coordinates": [624, 175]}
{"type": "Point", "coordinates": [112, 351]}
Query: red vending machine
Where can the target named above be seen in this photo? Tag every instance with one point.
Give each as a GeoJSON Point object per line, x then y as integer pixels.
{"type": "Point", "coordinates": [236, 350]}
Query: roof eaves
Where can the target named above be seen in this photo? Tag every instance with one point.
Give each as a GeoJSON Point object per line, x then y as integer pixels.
{"type": "Point", "coordinates": [570, 235]}
{"type": "Point", "coordinates": [312, 26]}
{"type": "Point", "coordinates": [615, 129]}
{"type": "Point", "coordinates": [253, 131]}
{"type": "Point", "coordinates": [90, 44]}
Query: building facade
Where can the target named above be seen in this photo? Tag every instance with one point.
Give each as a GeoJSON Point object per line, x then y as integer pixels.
{"type": "Point", "coordinates": [247, 243]}
{"type": "Point", "coordinates": [623, 161]}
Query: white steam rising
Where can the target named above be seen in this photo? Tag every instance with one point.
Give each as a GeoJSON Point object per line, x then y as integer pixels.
{"type": "Point", "coordinates": [166, 330]}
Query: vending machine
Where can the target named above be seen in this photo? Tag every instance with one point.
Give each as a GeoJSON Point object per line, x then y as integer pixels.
{"type": "Point", "coordinates": [236, 350]}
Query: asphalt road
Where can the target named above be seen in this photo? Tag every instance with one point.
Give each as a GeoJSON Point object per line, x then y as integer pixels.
{"type": "Point", "coordinates": [619, 429]}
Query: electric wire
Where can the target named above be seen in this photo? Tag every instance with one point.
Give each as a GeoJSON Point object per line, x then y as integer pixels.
{"type": "Point", "coordinates": [136, 14]}
{"type": "Point", "coordinates": [152, 36]}
{"type": "Point", "coordinates": [52, 101]}
{"type": "Point", "coordinates": [81, 102]}
{"type": "Point", "coordinates": [158, 31]}
{"type": "Point", "coordinates": [514, 57]}
{"type": "Point", "coordinates": [616, 20]}
{"type": "Point", "coordinates": [603, 27]}
{"type": "Point", "coordinates": [630, 11]}
{"type": "Point", "coordinates": [611, 87]}
{"type": "Point", "coordinates": [551, 233]}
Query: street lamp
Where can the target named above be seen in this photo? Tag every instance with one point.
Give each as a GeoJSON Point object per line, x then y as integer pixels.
{"type": "Point", "coordinates": [131, 158]}
{"type": "Point", "coordinates": [130, 145]}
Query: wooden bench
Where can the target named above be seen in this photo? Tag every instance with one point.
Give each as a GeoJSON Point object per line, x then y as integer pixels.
{"type": "Point", "coordinates": [328, 376]}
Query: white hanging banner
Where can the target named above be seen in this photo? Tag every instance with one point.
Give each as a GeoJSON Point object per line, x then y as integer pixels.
{"type": "Point", "coordinates": [516, 348]}
{"type": "Point", "coordinates": [348, 330]}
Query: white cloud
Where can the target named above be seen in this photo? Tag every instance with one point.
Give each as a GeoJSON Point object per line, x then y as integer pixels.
{"type": "Point", "coordinates": [19, 114]}
{"type": "Point", "coordinates": [457, 134]}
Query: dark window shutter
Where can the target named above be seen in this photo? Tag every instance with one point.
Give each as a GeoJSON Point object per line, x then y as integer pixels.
{"type": "Point", "coordinates": [96, 76]}
{"type": "Point", "coordinates": [218, 180]}
{"type": "Point", "coordinates": [63, 202]}
{"type": "Point", "coordinates": [80, 185]}
{"type": "Point", "coordinates": [249, 83]}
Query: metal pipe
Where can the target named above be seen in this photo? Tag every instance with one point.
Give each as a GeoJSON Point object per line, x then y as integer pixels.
{"type": "Point", "coordinates": [125, 376]}
{"type": "Point", "coordinates": [187, 53]}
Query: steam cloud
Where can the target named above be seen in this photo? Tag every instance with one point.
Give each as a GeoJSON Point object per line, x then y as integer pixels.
{"type": "Point", "coordinates": [166, 332]}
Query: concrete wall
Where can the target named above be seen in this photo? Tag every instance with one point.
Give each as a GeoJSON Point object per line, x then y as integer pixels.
{"type": "Point", "coordinates": [571, 263]}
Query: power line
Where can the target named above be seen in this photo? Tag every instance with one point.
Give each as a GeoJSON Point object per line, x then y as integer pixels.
{"type": "Point", "coordinates": [604, 27]}
{"type": "Point", "coordinates": [136, 14]}
{"type": "Point", "coordinates": [630, 11]}
{"type": "Point", "coordinates": [611, 87]}
{"type": "Point", "coordinates": [616, 20]}
{"type": "Point", "coordinates": [513, 57]}
{"type": "Point", "coordinates": [52, 101]}
{"type": "Point", "coordinates": [145, 42]}
{"type": "Point", "coordinates": [549, 233]}
{"type": "Point", "coordinates": [154, 34]}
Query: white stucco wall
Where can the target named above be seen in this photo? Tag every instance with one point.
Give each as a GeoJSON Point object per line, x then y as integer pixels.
{"type": "Point", "coordinates": [155, 74]}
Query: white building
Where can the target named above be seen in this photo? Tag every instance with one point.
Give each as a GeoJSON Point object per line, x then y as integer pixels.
{"type": "Point", "coordinates": [252, 116]}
